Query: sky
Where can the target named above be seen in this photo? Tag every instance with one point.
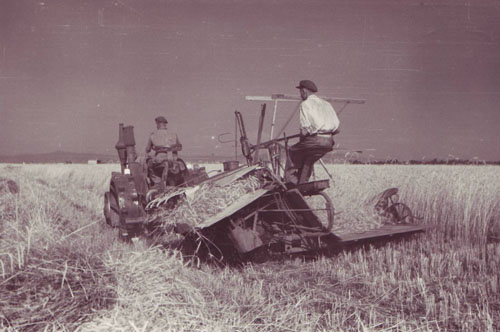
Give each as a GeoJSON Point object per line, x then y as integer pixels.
{"type": "Point", "coordinates": [71, 71]}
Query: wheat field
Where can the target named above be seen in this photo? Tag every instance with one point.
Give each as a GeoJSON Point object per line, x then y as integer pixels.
{"type": "Point", "coordinates": [63, 269]}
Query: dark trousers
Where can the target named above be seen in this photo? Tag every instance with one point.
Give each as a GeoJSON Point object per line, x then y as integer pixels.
{"type": "Point", "coordinates": [158, 166]}
{"type": "Point", "coordinates": [156, 169]}
{"type": "Point", "coordinates": [303, 155]}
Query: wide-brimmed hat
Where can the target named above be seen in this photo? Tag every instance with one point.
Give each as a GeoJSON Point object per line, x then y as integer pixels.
{"type": "Point", "coordinates": [307, 84]}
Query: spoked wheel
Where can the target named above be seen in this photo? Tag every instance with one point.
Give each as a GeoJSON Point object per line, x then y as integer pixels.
{"type": "Point", "coordinates": [330, 211]}
{"type": "Point", "coordinates": [258, 255]}
{"type": "Point", "coordinates": [400, 213]}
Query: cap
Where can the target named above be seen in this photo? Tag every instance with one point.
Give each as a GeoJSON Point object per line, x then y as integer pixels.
{"type": "Point", "coordinates": [307, 84]}
{"type": "Point", "coordinates": [161, 119]}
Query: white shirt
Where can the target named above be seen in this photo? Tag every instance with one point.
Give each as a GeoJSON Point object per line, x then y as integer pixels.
{"type": "Point", "coordinates": [317, 115]}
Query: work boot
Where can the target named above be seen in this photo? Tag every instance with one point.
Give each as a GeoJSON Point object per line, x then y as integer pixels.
{"type": "Point", "coordinates": [291, 176]}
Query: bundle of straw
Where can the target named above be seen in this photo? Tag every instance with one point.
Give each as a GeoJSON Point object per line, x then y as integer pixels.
{"type": "Point", "coordinates": [203, 203]}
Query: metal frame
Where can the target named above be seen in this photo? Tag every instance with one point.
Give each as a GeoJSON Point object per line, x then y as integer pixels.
{"type": "Point", "coordinates": [282, 97]}
{"type": "Point", "coordinates": [287, 98]}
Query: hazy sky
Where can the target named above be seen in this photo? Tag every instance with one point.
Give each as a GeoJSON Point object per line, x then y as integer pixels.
{"type": "Point", "coordinates": [70, 71]}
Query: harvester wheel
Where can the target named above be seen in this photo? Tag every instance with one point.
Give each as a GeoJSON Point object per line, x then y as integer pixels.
{"type": "Point", "coordinates": [330, 210]}
{"type": "Point", "coordinates": [259, 255]}
{"type": "Point", "coordinates": [111, 216]}
{"type": "Point", "coordinates": [400, 213]}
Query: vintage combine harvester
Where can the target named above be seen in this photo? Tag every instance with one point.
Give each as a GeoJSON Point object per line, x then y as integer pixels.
{"type": "Point", "coordinates": [273, 219]}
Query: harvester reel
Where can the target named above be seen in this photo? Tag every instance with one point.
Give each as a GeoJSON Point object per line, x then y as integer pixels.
{"type": "Point", "coordinates": [388, 206]}
{"type": "Point", "coordinates": [400, 213]}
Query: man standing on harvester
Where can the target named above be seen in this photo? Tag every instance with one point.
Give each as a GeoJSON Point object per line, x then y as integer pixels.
{"type": "Point", "coordinates": [165, 145]}
{"type": "Point", "coordinates": [318, 124]}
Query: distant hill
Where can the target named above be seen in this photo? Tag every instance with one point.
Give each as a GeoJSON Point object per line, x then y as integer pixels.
{"type": "Point", "coordinates": [83, 158]}
{"type": "Point", "coordinates": [58, 157]}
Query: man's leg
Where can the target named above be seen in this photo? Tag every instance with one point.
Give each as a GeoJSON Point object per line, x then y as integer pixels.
{"type": "Point", "coordinates": [151, 171]}
{"type": "Point", "coordinates": [313, 155]}
{"type": "Point", "coordinates": [294, 162]}
{"type": "Point", "coordinates": [314, 147]}
{"type": "Point", "coordinates": [156, 173]}
{"type": "Point", "coordinates": [306, 170]}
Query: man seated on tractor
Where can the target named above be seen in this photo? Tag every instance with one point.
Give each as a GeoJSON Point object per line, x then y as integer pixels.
{"type": "Point", "coordinates": [318, 124]}
{"type": "Point", "coordinates": [161, 152]}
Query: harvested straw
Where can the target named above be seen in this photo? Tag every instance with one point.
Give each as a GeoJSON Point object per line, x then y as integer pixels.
{"type": "Point", "coordinates": [206, 201]}
{"type": "Point", "coordinates": [350, 218]}
{"type": "Point", "coordinates": [55, 289]}
{"type": "Point", "coordinates": [358, 219]}
{"type": "Point", "coordinates": [52, 277]}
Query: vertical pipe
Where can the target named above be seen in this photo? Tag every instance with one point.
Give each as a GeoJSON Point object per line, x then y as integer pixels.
{"type": "Point", "coordinates": [245, 146]}
{"type": "Point", "coordinates": [121, 147]}
{"type": "Point", "coordinates": [235, 138]}
{"type": "Point", "coordinates": [274, 118]}
{"type": "Point", "coordinates": [259, 133]}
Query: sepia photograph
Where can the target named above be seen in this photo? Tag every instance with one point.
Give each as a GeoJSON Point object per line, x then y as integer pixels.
{"type": "Point", "coordinates": [249, 165]}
